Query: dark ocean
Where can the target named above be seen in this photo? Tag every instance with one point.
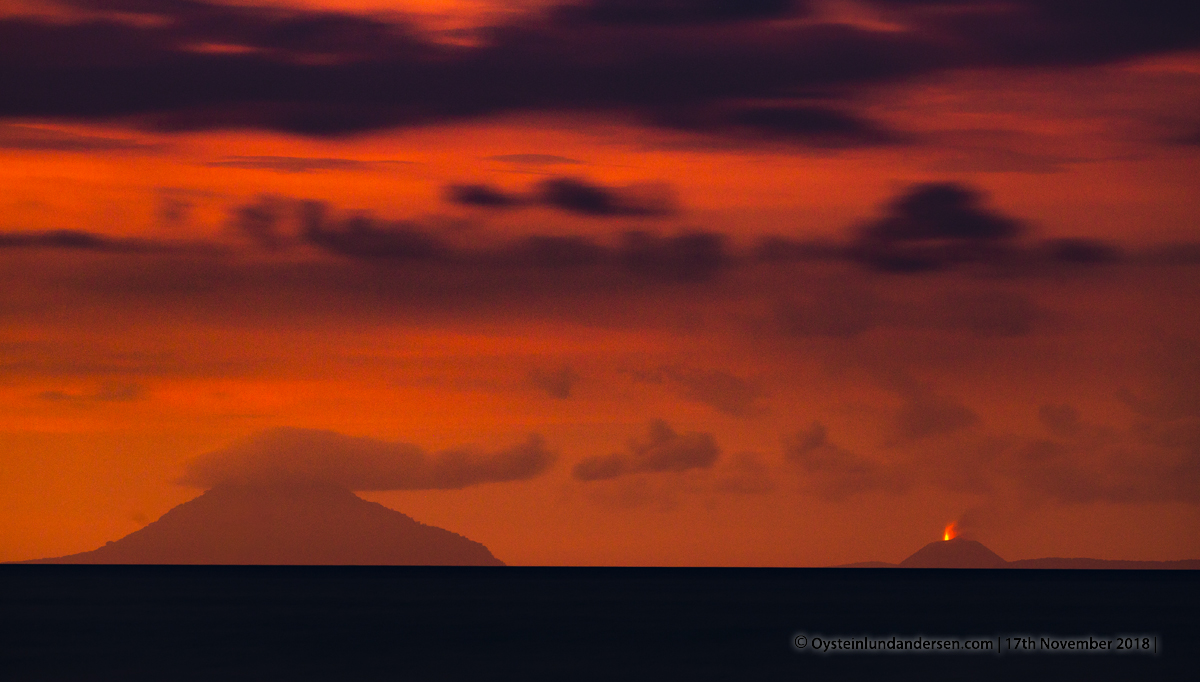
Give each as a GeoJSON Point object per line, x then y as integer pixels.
{"type": "Point", "coordinates": [399, 623]}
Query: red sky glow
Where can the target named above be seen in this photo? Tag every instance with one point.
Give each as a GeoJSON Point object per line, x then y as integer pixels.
{"type": "Point", "coordinates": [767, 282]}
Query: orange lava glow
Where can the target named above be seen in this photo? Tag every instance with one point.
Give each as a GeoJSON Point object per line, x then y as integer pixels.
{"type": "Point", "coordinates": [951, 532]}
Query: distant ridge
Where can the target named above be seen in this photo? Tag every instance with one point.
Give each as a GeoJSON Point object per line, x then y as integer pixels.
{"type": "Point", "coordinates": [963, 553]}
{"type": "Point", "coordinates": [1056, 562]}
{"type": "Point", "coordinates": [286, 523]}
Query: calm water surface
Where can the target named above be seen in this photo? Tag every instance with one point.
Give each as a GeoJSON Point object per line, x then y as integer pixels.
{"type": "Point", "coordinates": [385, 623]}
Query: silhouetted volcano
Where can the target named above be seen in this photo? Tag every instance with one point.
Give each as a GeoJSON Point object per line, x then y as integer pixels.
{"type": "Point", "coordinates": [956, 553]}
{"type": "Point", "coordinates": [962, 553]}
{"type": "Point", "coordinates": [295, 523]}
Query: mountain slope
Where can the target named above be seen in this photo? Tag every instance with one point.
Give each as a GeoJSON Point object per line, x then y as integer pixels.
{"type": "Point", "coordinates": [300, 523]}
{"type": "Point", "coordinates": [956, 553]}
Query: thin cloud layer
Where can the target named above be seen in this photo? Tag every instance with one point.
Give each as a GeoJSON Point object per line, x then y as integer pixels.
{"type": "Point", "coordinates": [304, 260]}
{"type": "Point", "coordinates": [557, 383]}
{"type": "Point", "coordinates": [927, 229]}
{"type": "Point", "coordinates": [298, 164]}
{"type": "Point", "coordinates": [108, 393]}
{"type": "Point", "coordinates": [663, 450]}
{"type": "Point", "coordinates": [273, 224]}
{"type": "Point", "coordinates": [286, 455]}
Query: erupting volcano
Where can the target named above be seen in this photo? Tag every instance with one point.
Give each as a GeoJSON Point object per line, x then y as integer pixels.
{"type": "Point", "coordinates": [953, 551]}
{"type": "Point", "coordinates": [951, 532]}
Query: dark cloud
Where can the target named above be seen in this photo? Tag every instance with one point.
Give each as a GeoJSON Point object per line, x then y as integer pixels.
{"type": "Point", "coordinates": [849, 309]}
{"type": "Point", "coordinates": [775, 249]}
{"type": "Point", "coordinates": [1054, 32]}
{"type": "Point", "coordinates": [1061, 420]}
{"type": "Point", "coordinates": [813, 125]}
{"type": "Point", "coordinates": [839, 311]}
{"type": "Point", "coordinates": [689, 256]}
{"type": "Point", "coordinates": [1178, 253]}
{"type": "Point", "coordinates": [722, 391]}
{"type": "Point", "coordinates": [361, 236]}
{"type": "Point", "coordinates": [173, 206]}
{"type": "Point", "coordinates": [835, 473]}
{"type": "Point", "coordinates": [557, 383]}
{"type": "Point", "coordinates": [74, 240]}
{"type": "Point", "coordinates": [275, 224]}
{"type": "Point", "coordinates": [933, 226]}
{"type": "Point", "coordinates": [260, 222]}
{"type": "Point", "coordinates": [484, 196]}
{"type": "Point", "coordinates": [821, 126]}
{"type": "Point", "coordinates": [940, 212]}
{"type": "Point", "coordinates": [672, 12]}
{"type": "Point", "coordinates": [995, 313]}
{"type": "Point", "coordinates": [574, 196]}
{"type": "Point", "coordinates": [694, 256]}
{"type": "Point", "coordinates": [743, 474]}
{"type": "Point", "coordinates": [309, 259]}
{"type": "Point", "coordinates": [1081, 251]}
{"type": "Point", "coordinates": [196, 65]}
{"type": "Point", "coordinates": [577, 196]}
{"type": "Point", "coordinates": [663, 450]}
{"type": "Point", "coordinates": [1189, 139]}
{"type": "Point", "coordinates": [555, 252]}
{"type": "Point", "coordinates": [295, 250]}
{"type": "Point", "coordinates": [288, 454]}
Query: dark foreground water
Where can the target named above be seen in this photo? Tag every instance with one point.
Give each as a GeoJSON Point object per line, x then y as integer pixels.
{"type": "Point", "coordinates": [367, 623]}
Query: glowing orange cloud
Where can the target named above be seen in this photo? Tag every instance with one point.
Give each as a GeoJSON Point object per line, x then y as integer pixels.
{"type": "Point", "coordinates": [951, 532]}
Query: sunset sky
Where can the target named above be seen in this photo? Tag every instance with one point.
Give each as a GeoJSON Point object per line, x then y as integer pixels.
{"type": "Point", "coordinates": [672, 282]}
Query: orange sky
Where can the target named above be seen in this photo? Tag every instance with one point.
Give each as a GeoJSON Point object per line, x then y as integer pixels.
{"type": "Point", "coordinates": [162, 295]}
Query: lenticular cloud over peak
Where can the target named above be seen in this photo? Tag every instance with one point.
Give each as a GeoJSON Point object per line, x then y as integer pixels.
{"type": "Point", "coordinates": [287, 455]}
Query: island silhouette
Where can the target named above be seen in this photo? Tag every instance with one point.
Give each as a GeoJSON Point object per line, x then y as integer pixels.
{"type": "Point", "coordinates": [286, 522]}
{"type": "Point", "coordinates": [959, 552]}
